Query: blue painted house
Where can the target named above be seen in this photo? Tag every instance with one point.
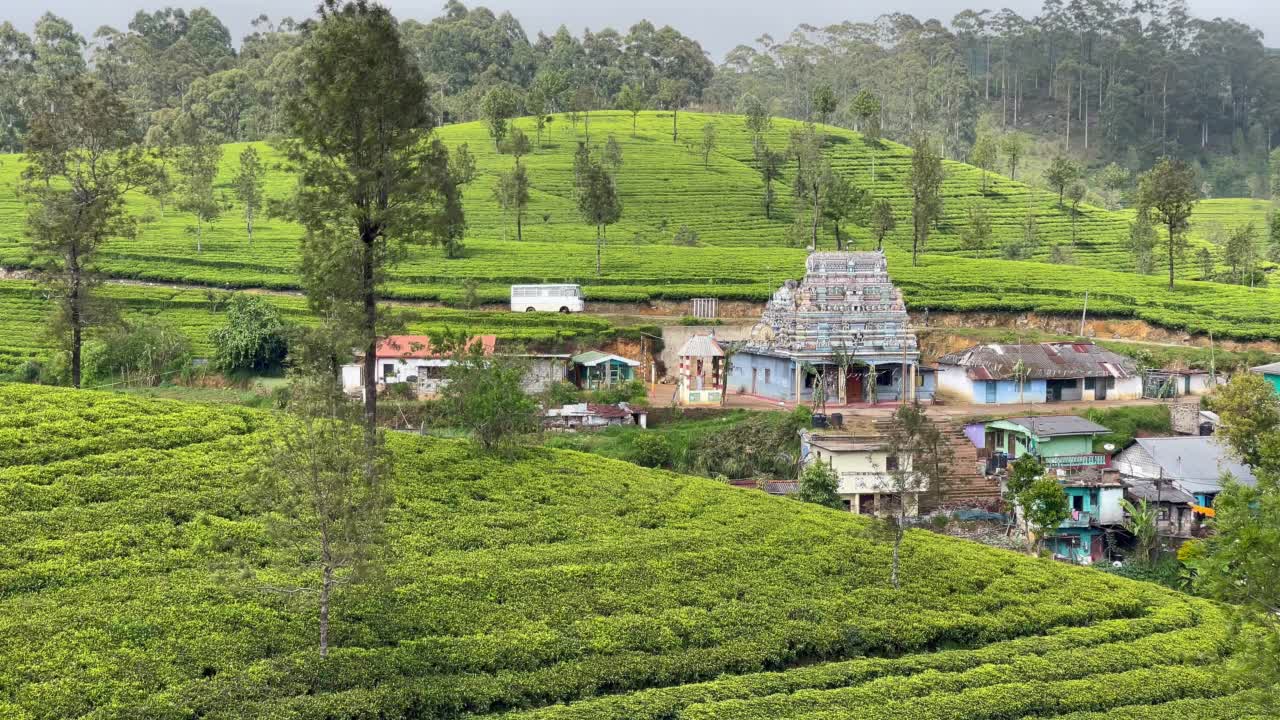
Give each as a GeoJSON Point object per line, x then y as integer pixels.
{"type": "Point", "coordinates": [1271, 373]}
{"type": "Point", "coordinates": [996, 374]}
{"type": "Point", "coordinates": [1094, 498]}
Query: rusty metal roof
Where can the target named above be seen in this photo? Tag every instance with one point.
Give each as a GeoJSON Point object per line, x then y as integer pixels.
{"type": "Point", "coordinates": [1040, 361]}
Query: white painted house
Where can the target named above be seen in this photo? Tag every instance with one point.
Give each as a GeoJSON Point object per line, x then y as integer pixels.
{"type": "Point", "coordinates": [410, 359]}
{"type": "Point", "coordinates": [863, 468]}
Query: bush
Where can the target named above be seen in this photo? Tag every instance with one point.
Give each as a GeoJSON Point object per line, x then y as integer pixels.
{"type": "Point", "coordinates": [634, 392]}
{"type": "Point", "coordinates": [253, 339]}
{"type": "Point", "coordinates": [560, 394]}
{"type": "Point", "coordinates": [144, 350]}
{"type": "Point", "coordinates": [485, 396]}
{"type": "Point", "coordinates": [651, 450]}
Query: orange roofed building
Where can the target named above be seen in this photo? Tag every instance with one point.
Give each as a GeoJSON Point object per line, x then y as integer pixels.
{"type": "Point", "coordinates": [411, 359]}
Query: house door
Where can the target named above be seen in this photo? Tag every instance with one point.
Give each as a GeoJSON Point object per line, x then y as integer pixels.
{"type": "Point", "coordinates": [991, 390]}
{"type": "Point", "coordinates": [1100, 389]}
{"type": "Point", "coordinates": [1096, 548]}
{"type": "Point", "coordinates": [753, 380]}
{"type": "Point", "coordinates": [852, 386]}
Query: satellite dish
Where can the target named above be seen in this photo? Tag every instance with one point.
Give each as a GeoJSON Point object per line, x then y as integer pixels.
{"type": "Point", "coordinates": [1109, 447]}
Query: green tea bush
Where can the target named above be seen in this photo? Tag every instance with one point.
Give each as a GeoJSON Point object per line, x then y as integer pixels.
{"type": "Point", "coordinates": [554, 585]}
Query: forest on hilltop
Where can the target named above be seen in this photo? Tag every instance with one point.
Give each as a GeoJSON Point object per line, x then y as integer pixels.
{"type": "Point", "coordinates": [1107, 80]}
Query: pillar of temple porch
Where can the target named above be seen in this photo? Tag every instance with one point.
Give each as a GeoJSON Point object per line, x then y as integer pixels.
{"type": "Point", "coordinates": [798, 382]}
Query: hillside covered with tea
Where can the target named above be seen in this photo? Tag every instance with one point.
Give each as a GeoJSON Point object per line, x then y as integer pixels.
{"type": "Point", "coordinates": [561, 585]}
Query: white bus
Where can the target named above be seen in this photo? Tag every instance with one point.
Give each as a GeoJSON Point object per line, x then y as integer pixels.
{"type": "Point", "coordinates": [546, 298]}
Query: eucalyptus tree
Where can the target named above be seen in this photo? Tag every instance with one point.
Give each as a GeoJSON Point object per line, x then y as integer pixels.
{"type": "Point", "coordinates": [248, 183]}
{"type": "Point", "coordinates": [924, 182]}
{"type": "Point", "coordinates": [1168, 193]}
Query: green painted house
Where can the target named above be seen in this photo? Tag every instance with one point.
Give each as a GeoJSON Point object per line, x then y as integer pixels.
{"type": "Point", "coordinates": [1271, 373]}
{"type": "Point", "coordinates": [593, 370]}
{"type": "Point", "coordinates": [1061, 441]}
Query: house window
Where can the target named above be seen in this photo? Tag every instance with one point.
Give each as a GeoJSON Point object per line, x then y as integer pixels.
{"type": "Point", "coordinates": [1088, 383]}
{"type": "Point", "coordinates": [891, 463]}
{"type": "Point", "coordinates": [1077, 502]}
{"type": "Point", "coordinates": [1164, 512]}
{"type": "Point", "coordinates": [767, 376]}
{"type": "Point", "coordinates": [388, 370]}
{"type": "Point", "coordinates": [1111, 383]}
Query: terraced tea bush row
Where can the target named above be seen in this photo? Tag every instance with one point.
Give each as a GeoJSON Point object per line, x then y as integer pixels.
{"type": "Point", "coordinates": [742, 253]}
{"type": "Point", "coordinates": [561, 584]}
{"type": "Point", "coordinates": [24, 310]}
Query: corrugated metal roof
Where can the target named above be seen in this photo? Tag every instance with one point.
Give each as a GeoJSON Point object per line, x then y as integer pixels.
{"type": "Point", "coordinates": [1269, 369]}
{"type": "Point", "coordinates": [595, 357]}
{"type": "Point", "coordinates": [1059, 425]}
{"type": "Point", "coordinates": [1141, 490]}
{"type": "Point", "coordinates": [419, 346]}
{"type": "Point", "coordinates": [701, 346]}
{"type": "Point", "coordinates": [1197, 462]}
{"type": "Point", "coordinates": [1040, 361]}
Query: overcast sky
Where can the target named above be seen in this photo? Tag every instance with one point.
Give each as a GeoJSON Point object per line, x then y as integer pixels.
{"type": "Point", "coordinates": [718, 24]}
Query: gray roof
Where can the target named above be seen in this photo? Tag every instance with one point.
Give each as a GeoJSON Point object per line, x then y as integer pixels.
{"type": "Point", "coordinates": [700, 346]}
{"type": "Point", "coordinates": [1146, 490]}
{"type": "Point", "coordinates": [1058, 425]}
{"type": "Point", "coordinates": [1268, 369]}
{"type": "Point", "coordinates": [997, 361]}
{"type": "Point", "coordinates": [1196, 462]}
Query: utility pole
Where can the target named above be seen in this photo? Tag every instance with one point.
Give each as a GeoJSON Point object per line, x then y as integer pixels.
{"type": "Point", "coordinates": [1084, 312]}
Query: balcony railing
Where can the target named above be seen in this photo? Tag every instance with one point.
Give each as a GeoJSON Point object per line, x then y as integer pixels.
{"type": "Point", "coordinates": [1079, 518]}
{"type": "Point", "coordinates": [1082, 460]}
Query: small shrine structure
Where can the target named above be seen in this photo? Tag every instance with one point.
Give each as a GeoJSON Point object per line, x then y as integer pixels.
{"type": "Point", "coordinates": [702, 365]}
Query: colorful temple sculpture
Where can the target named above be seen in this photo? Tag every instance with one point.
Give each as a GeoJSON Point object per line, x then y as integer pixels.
{"type": "Point", "coordinates": [839, 337]}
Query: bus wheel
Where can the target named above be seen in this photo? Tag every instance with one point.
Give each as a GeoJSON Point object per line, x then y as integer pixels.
{"type": "Point", "coordinates": [564, 310]}
{"type": "Point", "coordinates": [529, 309]}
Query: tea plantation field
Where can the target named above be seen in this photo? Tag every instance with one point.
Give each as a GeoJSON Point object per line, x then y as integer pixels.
{"type": "Point", "coordinates": [740, 254]}
{"type": "Point", "coordinates": [559, 586]}
{"type": "Point", "coordinates": [197, 312]}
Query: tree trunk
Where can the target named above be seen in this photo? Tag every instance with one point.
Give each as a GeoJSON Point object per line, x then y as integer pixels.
{"type": "Point", "coordinates": [599, 248]}
{"type": "Point", "coordinates": [248, 223]}
{"type": "Point", "coordinates": [199, 235]}
{"type": "Point", "coordinates": [674, 112]}
{"type": "Point", "coordinates": [1171, 256]}
{"type": "Point", "coordinates": [76, 300]}
{"type": "Point", "coordinates": [519, 225]}
{"type": "Point", "coordinates": [371, 336]}
{"type": "Point", "coordinates": [897, 551]}
{"type": "Point", "coordinates": [816, 204]}
{"type": "Point", "coordinates": [326, 591]}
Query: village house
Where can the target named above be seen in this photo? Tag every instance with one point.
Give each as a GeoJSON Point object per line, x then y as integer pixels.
{"type": "Point", "coordinates": [1193, 464]}
{"type": "Point", "coordinates": [593, 416]}
{"type": "Point", "coordinates": [840, 336]}
{"type": "Point", "coordinates": [1094, 501]}
{"type": "Point", "coordinates": [863, 468]}
{"type": "Point", "coordinates": [1179, 383]}
{"type": "Point", "coordinates": [1060, 441]}
{"type": "Point", "coordinates": [544, 370]}
{"type": "Point", "coordinates": [593, 370]}
{"type": "Point", "coordinates": [1271, 372]}
{"type": "Point", "coordinates": [410, 359]}
{"type": "Point", "coordinates": [1175, 518]}
{"type": "Point", "coordinates": [1038, 373]}
{"type": "Point", "coordinates": [701, 380]}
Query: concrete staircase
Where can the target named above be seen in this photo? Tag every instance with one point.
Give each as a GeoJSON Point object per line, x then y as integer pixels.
{"type": "Point", "coordinates": [966, 483]}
